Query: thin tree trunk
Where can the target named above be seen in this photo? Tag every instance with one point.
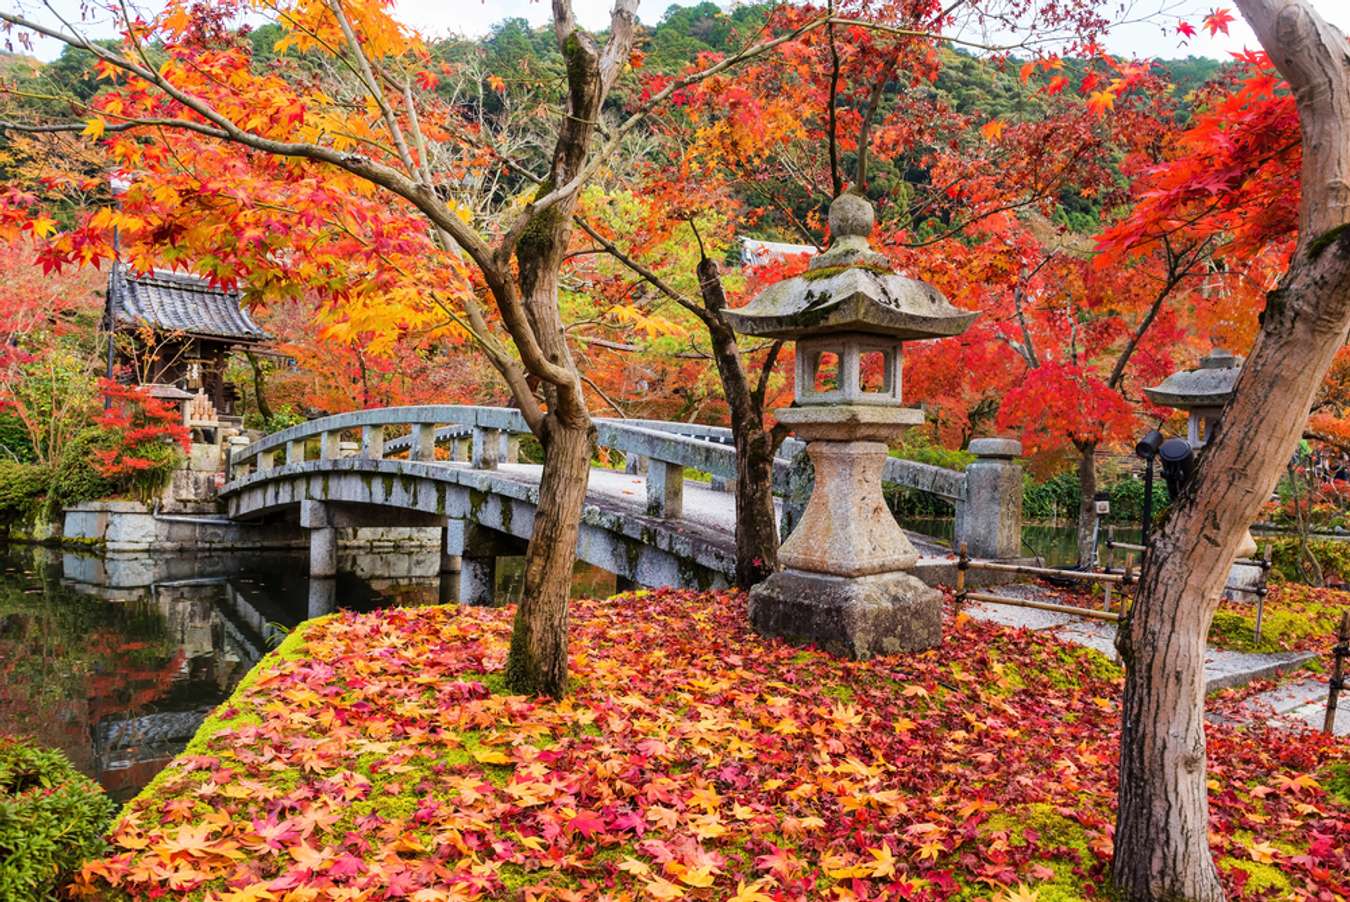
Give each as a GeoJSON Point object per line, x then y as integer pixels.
{"type": "Point", "coordinates": [1161, 841]}
{"type": "Point", "coordinates": [259, 387]}
{"type": "Point", "coordinates": [756, 518]}
{"type": "Point", "coordinates": [537, 662]}
{"type": "Point", "coordinates": [1087, 506]}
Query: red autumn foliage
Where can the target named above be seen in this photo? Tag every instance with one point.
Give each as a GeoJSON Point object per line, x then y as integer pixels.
{"type": "Point", "coordinates": [693, 759]}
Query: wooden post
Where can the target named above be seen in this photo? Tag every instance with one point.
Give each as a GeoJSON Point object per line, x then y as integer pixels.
{"type": "Point", "coordinates": [962, 565]}
{"type": "Point", "coordinates": [1261, 589]}
{"type": "Point", "coordinates": [1338, 679]}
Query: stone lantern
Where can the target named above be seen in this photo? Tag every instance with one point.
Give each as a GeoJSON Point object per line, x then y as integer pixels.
{"type": "Point", "coordinates": [845, 586]}
{"type": "Point", "coordinates": [1201, 392]}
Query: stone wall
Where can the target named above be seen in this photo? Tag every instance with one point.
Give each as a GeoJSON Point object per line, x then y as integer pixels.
{"type": "Point", "coordinates": [126, 527]}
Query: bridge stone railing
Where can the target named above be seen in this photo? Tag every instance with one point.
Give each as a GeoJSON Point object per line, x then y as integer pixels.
{"type": "Point", "coordinates": [987, 497]}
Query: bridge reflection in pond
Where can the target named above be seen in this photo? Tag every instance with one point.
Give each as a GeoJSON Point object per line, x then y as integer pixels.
{"type": "Point", "coordinates": [116, 660]}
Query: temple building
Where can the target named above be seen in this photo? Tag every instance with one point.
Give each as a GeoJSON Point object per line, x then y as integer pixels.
{"type": "Point", "coordinates": [175, 333]}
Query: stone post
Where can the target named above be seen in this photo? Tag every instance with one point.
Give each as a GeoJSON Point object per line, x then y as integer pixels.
{"type": "Point", "coordinates": [510, 452]}
{"type": "Point", "coordinates": [478, 581]}
{"type": "Point", "coordinates": [330, 445]}
{"type": "Point", "coordinates": [665, 490]}
{"type": "Point", "coordinates": [295, 451]}
{"type": "Point", "coordinates": [990, 519]}
{"type": "Point", "coordinates": [322, 596]}
{"type": "Point", "coordinates": [476, 550]}
{"type": "Point", "coordinates": [423, 442]}
{"type": "Point", "coordinates": [461, 449]}
{"type": "Point", "coordinates": [267, 460]}
{"type": "Point", "coordinates": [801, 477]}
{"type": "Point", "coordinates": [372, 442]}
{"type": "Point", "coordinates": [322, 539]}
{"type": "Point", "coordinates": [486, 448]}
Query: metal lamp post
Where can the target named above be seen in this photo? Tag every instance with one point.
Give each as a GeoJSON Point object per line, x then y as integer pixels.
{"type": "Point", "coordinates": [845, 586]}
{"type": "Point", "coordinates": [1202, 393]}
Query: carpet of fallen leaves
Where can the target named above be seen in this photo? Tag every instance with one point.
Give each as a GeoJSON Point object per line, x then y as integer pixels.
{"type": "Point", "coordinates": [375, 756]}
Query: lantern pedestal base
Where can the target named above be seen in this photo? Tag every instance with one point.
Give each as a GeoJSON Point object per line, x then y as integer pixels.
{"type": "Point", "coordinates": [854, 617]}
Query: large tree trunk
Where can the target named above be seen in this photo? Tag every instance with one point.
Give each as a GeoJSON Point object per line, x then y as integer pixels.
{"type": "Point", "coordinates": [537, 663]}
{"type": "Point", "coordinates": [1161, 846]}
{"type": "Point", "coordinates": [1087, 505]}
{"type": "Point", "coordinates": [756, 519]}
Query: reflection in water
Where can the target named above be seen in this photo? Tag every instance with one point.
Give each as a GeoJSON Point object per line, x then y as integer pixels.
{"type": "Point", "coordinates": [117, 660]}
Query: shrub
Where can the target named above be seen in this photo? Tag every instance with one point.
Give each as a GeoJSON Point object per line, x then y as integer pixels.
{"type": "Point", "coordinates": [1333, 556]}
{"type": "Point", "coordinates": [76, 478]}
{"type": "Point", "coordinates": [52, 818]}
{"type": "Point", "coordinates": [22, 486]}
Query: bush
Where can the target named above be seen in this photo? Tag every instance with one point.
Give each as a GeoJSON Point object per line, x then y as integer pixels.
{"type": "Point", "coordinates": [22, 486]}
{"type": "Point", "coordinates": [1058, 498]}
{"type": "Point", "coordinates": [77, 478]}
{"type": "Point", "coordinates": [52, 818]}
{"type": "Point", "coordinates": [1333, 557]}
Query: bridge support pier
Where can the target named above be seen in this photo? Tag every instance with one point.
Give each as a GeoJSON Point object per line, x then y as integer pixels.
{"type": "Point", "coordinates": [322, 539]}
{"type": "Point", "coordinates": [478, 581]}
{"type": "Point", "coordinates": [322, 596]}
{"type": "Point", "coordinates": [471, 552]}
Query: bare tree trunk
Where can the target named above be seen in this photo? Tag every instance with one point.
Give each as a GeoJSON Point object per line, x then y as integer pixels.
{"type": "Point", "coordinates": [259, 387]}
{"type": "Point", "coordinates": [1161, 842]}
{"type": "Point", "coordinates": [1087, 506]}
{"type": "Point", "coordinates": [537, 662]}
{"type": "Point", "coordinates": [756, 519]}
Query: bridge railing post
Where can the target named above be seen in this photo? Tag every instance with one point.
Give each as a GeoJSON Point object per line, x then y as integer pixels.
{"type": "Point", "coordinates": [423, 442]}
{"type": "Point", "coordinates": [330, 445]}
{"type": "Point", "coordinates": [372, 442]}
{"type": "Point", "coordinates": [295, 451]}
{"type": "Point", "coordinates": [486, 447]}
{"type": "Point", "coordinates": [267, 460]}
{"type": "Point", "coordinates": [510, 451]}
{"type": "Point", "coordinates": [989, 521]}
{"type": "Point", "coordinates": [665, 489]}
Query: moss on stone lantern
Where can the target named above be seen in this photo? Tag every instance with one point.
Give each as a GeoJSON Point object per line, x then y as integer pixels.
{"type": "Point", "coordinates": [846, 587]}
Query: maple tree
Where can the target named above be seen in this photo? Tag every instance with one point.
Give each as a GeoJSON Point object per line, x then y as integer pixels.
{"type": "Point", "coordinates": [1162, 849]}
{"type": "Point", "coordinates": [340, 192]}
{"type": "Point", "coordinates": [378, 756]}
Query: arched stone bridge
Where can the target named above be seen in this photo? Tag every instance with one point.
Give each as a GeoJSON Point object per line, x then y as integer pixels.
{"type": "Point", "coordinates": [457, 467]}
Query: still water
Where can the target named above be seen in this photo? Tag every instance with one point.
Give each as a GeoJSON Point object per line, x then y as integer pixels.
{"type": "Point", "coordinates": [116, 661]}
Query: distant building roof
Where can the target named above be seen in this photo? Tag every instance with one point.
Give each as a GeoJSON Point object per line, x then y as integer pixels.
{"type": "Point", "coordinates": [175, 302]}
{"type": "Point", "coordinates": [755, 252]}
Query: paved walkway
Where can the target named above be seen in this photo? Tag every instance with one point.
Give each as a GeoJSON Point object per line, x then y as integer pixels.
{"type": "Point", "coordinates": [1298, 703]}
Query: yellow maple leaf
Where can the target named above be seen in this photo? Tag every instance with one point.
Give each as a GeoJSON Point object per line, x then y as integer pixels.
{"type": "Point", "coordinates": [751, 893]}
{"type": "Point", "coordinates": [664, 889]}
{"type": "Point", "coordinates": [1022, 893]}
{"type": "Point", "coordinates": [93, 128]}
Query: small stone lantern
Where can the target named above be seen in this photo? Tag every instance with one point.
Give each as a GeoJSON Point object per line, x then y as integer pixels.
{"type": "Point", "coordinates": [845, 586]}
{"type": "Point", "coordinates": [1202, 393]}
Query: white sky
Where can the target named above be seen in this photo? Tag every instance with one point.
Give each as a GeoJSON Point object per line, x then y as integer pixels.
{"type": "Point", "coordinates": [1155, 37]}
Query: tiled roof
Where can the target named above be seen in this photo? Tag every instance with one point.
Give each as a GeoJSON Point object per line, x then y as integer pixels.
{"type": "Point", "coordinates": [175, 302]}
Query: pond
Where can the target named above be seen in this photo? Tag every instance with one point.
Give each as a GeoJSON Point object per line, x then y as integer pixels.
{"type": "Point", "coordinates": [1055, 544]}
{"type": "Point", "coordinates": [116, 661]}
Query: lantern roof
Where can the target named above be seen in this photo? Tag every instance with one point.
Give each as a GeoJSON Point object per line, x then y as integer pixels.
{"type": "Point", "coordinates": [1209, 385]}
{"type": "Point", "coordinates": [850, 288]}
